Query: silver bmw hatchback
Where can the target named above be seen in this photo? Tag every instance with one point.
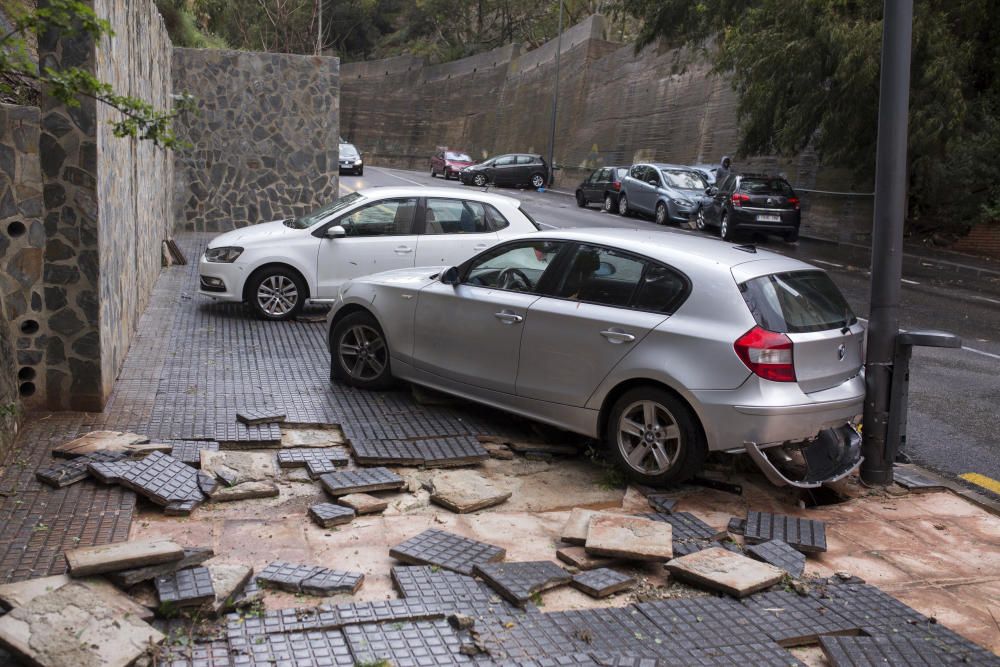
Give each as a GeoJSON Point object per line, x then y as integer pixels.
{"type": "Point", "coordinates": [663, 345]}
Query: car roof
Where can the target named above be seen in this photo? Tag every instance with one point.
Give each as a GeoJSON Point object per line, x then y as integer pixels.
{"type": "Point", "coordinates": [662, 165]}
{"type": "Point", "coordinates": [675, 248]}
{"type": "Point", "coordinates": [383, 192]}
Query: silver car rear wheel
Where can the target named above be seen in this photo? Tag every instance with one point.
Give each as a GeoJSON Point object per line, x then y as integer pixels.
{"type": "Point", "coordinates": [360, 352]}
{"type": "Point", "coordinates": [649, 438]}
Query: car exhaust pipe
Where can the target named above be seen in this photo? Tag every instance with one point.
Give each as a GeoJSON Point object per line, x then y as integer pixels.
{"type": "Point", "coordinates": [832, 455]}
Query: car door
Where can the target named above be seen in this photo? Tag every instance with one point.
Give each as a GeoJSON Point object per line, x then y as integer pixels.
{"type": "Point", "coordinates": [639, 193]}
{"type": "Point", "coordinates": [651, 183]}
{"type": "Point", "coordinates": [594, 191]}
{"type": "Point", "coordinates": [471, 332]}
{"type": "Point", "coordinates": [378, 237]}
{"type": "Point", "coordinates": [714, 213]}
{"type": "Point", "coordinates": [505, 170]}
{"type": "Point", "coordinates": [526, 166]}
{"type": "Point", "coordinates": [574, 337]}
{"type": "Point", "coordinates": [453, 230]}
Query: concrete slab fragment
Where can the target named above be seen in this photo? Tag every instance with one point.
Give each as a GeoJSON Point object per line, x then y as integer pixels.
{"type": "Point", "coordinates": [75, 627]}
{"type": "Point", "coordinates": [580, 559]}
{"type": "Point", "coordinates": [602, 582]}
{"type": "Point", "coordinates": [312, 437]}
{"type": "Point", "coordinates": [721, 570]}
{"type": "Point", "coordinates": [543, 447]}
{"type": "Point", "coordinates": [363, 503]}
{"type": "Point", "coordinates": [99, 441]}
{"type": "Point", "coordinates": [238, 467]}
{"type": "Point", "coordinates": [186, 588]}
{"type": "Point", "coordinates": [21, 593]}
{"type": "Point", "coordinates": [630, 537]}
{"type": "Point", "coordinates": [245, 491]}
{"type": "Point", "coordinates": [193, 556]}
{"type": "Point", "coordinates": [577, 525]}
{"type": "Point", "coordinates": [328, 515]}
{"type": "Point", "coordinates": [517, 582]}
{"type": "Point", "coordinates": [464, 491]}
{"type": "Point", "coordinates": [229, 581]}
{"type": "Point", "coordinates": [103, 558]}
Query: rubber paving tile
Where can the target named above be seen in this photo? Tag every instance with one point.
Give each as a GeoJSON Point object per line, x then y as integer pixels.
{"type": "Point", "coordinates": [316, 461]}
{"type": "Point", "coordinates": [326, 617]}
{"type": "Point", "coordinates": [189, 451]}
{"type": "Point", "coordinates": [75, 470]}
{"type": "Point", "coordinates": [662, 503]}
{"type": "Point", "coordinates": [791, 619]}
{"type": "Point", "coordinates": [159, 477]}
{"type": "Point", "coordinates": [328, 515]}
{"type": "Point", "coordinates": [330, 582]}
{"type": "Point", "coordinates": [694, 623]}
{"type": "Point", "coordinates": [406, 645]}
{"type": "Point", "coordinates": [363, 480]}
{"type": "Point", "coordinates": [421, 582]}
{"type": "Point", "coordinates": [313, 648]}
{"type": "Point", "coordinates": [601, 582]}
{"type": "Point", "coordinates": [897, 651]}
{"type": "Point", "coordinates": [779, 554]}
{"type": "Point", "coordinates": [867, 607]}
{"type": "Point", "coordinates": [446, 550]}
{"type": "Point", "coordinates": [191, 587]}
{"type": "Point", "coordinates": [518, 581]}
{"type": "Point", "coordinates": [287, 576]}
{"type": "Point", "coordinates": [617, 631]}
{"type": "Point", "coordinates": [806, 535]}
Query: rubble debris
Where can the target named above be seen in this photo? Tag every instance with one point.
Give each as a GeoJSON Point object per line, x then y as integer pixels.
{"type": "Point", "coordinates": [310, 579]}
{"type": "Point", "coordinates": [191, 587]}
{"type": "Point", "coordinates": [189, 451]}
{"type": "Point", "coordinates": [316, 461]}
{"type": "Point", "coordinates": [805, 535]}
{"type": "Point", "coordinates": [250, 595]}
{"type": "Point", "coordinates": [85, 561]}
{"type": "Point", "coordinates": [74, 626]}
{"type": "Point", "coordinates": [630, 537]}
{"type": "Point", "coordinates": [736, 526]}
{"type": "Point", "coordinates": [99, 441]}
{"type": "Point", "coordinates": [795, 620]}
{"type": "Point", "coordinates": [779, 554]}
{"type": "Point", "coordinates": [159, 477]}
{"type": "Point", "coordinates": [228, 581]}
{"type": "Point", "coordinates": [577, 525]}
{"type": "Point", "coordinates": [192, 556]}
{"type": "Point", "coordinates": [328, 515]}
{"type": "Point", "coordinates": [363, 503]}
{"type": "Point", "coordinates": [543, 448]}
{"type": "Point", "coordinates": [499, 451]}
{"type": "Point", "coordinates": [461, 621]}
{"type": "Point", "coordinates": [245, 491]}
{"type": "Point", "coordinates": [361, 481]}
{"type": "Point", "coordinates": [312, 437]}
{"type": "Point", "coordinates": [602, 582]}
{"type": "Point", "coordinates": [662, 503]}
{"type": "Point", "coordinates": [464, 491]}
{"type": "Point", "coordinates": [580, 559]}
{"type": "Point", "coordinates": [518, 582]}
{"type": "Point", "coordinates": [913, 480]}
{"type": "Point", "coordinates": [721, 570]}
{"type": "Point", "coordinates": [446, 550]}
{"type": "Point", "coordinates": [234, 467]}
{"type": "Point", "coordinates": [75, 470]}
{"type": "Point", "coordinates": [257, 416]}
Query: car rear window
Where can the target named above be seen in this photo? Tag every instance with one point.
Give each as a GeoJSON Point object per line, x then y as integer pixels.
{"type": "Point", "coordinates": [797, 302]}
{"type": "Point", "coordinates": [530, 219]}
{"type": "Point", "coordinates": [766, 186]}
{"type": "Point", "coordinates": [460, 157]}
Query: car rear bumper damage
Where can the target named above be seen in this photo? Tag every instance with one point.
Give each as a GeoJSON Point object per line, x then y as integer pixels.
{"type": "Point", "coordinates": [831, 456]}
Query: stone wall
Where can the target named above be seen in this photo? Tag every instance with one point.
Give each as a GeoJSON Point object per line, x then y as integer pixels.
{"type": "Point", "coordinates": [264, 140]}
{"type": "Point", "coordinates": [615, 107]}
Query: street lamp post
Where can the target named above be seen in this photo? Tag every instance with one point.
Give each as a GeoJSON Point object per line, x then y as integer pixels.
{"type": "Point", "coordinates": [887, 237]}
{"type": "Point", "coordinates": [555, 101]}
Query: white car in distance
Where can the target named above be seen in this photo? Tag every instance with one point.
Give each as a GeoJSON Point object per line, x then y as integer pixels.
{"type": "Point", "coordinates": [276, 267]}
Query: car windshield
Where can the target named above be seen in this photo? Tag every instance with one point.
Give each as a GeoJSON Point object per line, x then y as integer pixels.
{"type": "Point", "coordinates": [797, 302]}
{"type": "Point", "coordinates": [458, 157]}
{"type": "Point", "coordinates": [321, 214]}
{"type": "Point", "coordinates": [766, 186]}
{"type": "Point", "coordinates": [348, 150]}
{"type": "Point", "coordinates": [684, 180]}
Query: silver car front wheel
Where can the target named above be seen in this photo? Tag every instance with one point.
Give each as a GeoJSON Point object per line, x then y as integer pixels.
{"type": "Point", "coordinates": [699, 221]}
{"type": "Point", "coordinates": [276, 293]}
{"type": "Point", "coordinates": [479, 180]}
{"type": "Point", "coordinates": [359, 352]}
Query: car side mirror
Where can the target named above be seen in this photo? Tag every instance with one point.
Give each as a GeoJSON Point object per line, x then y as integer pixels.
{"type": "Point", "coordinates": [710, 191]}
{"type": "Point", "coordinates": [450, 276]}
{"type": "Point", "coordinates": [336, 232]}
{"type": "Point", "coordinates": [653, 183]}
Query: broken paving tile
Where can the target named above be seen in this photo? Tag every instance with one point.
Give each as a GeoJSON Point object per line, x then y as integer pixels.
{"type": "Point", "coordinates": [362, 503]}
{"type": "Point", "coordinates": [662, 503]}
{"type": "Point", "coordinates": [518, 581]}
{"type": "Point", "coordinates": [871, 609]}
{"type": "Point", "coordinates": [256, 416]}
{"type": "Point", "coordinates": [630, 537]}
{"type": "Point", "coordinates": [75, 470]}
{"type": "Point", "coordinates": [577, 525]}
{"type": "Point", "coordinates": [75, 625]}
{"type": "Point", "coordinates": [207, 484]}
{"type": "Point", "coordinates": [686, 526]}
{"type": "Point", "coordinates": [361, 481]}
{"type": "Point", "coordinates": [159, 477]}
{"type": "Point", "coordinates": [287, 576]}
{"type": "Point", "coordinates": [245, 491]}
{"type": "Point", "coordinates": [189, 451]}
{"type": "Point", "coordinates": [446, 451]}
{"type": "Point", "coordinates": [911, 478]}
{"type": "Point", "coordinates": [84, 561]}
{"type": "Point", "coordinates": [312, 437]}
{"type": "Point", "coordinates": [580, 559]}
{"type": "Point", "coordinates": [779, 554]}
{"type": "Point", "coordinates": [806, 535]}
{"type": "Point", "coordinates": [316, 461]}
{"type": "Point", "coordinates": [328, 515]}
{"type": "Point", "coordinates": [423, 582]}
{"type": "Point", "coordinates": [251, 594]}
{"type": "Point", "coordinates": [229, 580]}
{"type": "Point", "coordinates": [331, 582]}
{"type": "Point", "coordinates": [99, 441]}
{"type": "Point", "coordinates": [109, 472]}
{"type": "Point", "coordinates": [186, 588]}
{"type": "Point", "coordinates": [897, 651]}
{"type": "Point", "coordinates": [791, 619]}
{"type": "Point", "coordinates": [737, 526]}
{"type": "Point", "coordinates": [464, 491]}
{"type": "Point", "coordinates": [192, 556]}
{"type": "Point", "coordinates": [721, 570]}
{"type": "Point", "coordinates": [413, 643]}
{"type": "Point", "coordinates": [602, 582]}
{"type": "Point", "coordinates": [447, 550]}
{"type": "Point", "coordinates": [235, 468]}
{"type": "Point", "coordinates": [20, 593]}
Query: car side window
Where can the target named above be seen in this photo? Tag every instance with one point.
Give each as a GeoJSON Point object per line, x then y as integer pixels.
{"type": "Point", "coordinates": [653, 176]}
{"type": "Point", "coordinates": [636, 172]}
{"type": "Point", "coordinates": [525, 159]}
{"type": "Point", "coordinates": [600, 275]}
{"type": "Point", "coordinates": [517, 267]}
{"type": "Point", "coordinates": [661, 290]}
{"type": "Point", "coordinates": [496, 218]}
{"type": "Point", "coordinates": [388, 217]}
{"type": "Point", "coordinates": [455, 216]}
{"type": "Point", "coordinates": [505, 160]}
{"type": "Point", "coordinates": [602, 176]}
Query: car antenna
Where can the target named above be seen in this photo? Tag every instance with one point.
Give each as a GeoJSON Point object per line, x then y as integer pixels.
{"type": "Point", "coordinates": [747, 247]}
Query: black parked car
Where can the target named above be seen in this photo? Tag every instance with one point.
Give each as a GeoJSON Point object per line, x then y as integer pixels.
{"type": "Point", "coordinates": [350, 160]}
{"type": "Point", "coordinates": [602, 187]}
{"type": "Point", "coordinates": [513, 169]}
{"type": "Point", "coordinates": [752, 202]}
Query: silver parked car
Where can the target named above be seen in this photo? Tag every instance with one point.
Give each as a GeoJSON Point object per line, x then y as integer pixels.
{"type": "Point", "coordinates": [667, 192]}
{"type": "Point", "coordinates": [664, 345]}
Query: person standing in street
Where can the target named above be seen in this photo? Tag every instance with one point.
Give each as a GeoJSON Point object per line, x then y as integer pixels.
{"type": "Point", "coordinates": [722, 170]}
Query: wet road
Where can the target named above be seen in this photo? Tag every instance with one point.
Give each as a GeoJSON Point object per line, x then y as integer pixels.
{"type": "Point", "coordinates": [954, 394]}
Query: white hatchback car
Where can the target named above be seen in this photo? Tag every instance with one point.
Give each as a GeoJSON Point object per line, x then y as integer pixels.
{"type": "Point", "coordinates": [277, 266]}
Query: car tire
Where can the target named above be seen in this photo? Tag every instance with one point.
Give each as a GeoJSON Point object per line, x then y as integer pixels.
{"type": "Point", "coordinates": [479, 180]}
{"type": "Point", "coordinates": [581, 201]}
{"type": "Point", "coordinates": [623, 209]}
{"type": "Point", "coordinates": [276, 293]}
{"type": "Point", "coordinates": [725, 229]}
{"type": "Point", "coordinates": [791, 237]}
{"type": "Point", "coordinates": [699, 221]}
{"type": "Point", "coordinates": [359, 352]}
{"type": "Point", "coordinates": [538, 181]}
{"type": "Point", "coordinates": [662, 214]}
{"type": "Point", "coordinates": [361, 172]}
{"type": "Point", "coordinates": [433, 173]}
{"type": "Point", "coordinates": [609, 204]}
{"type": "Point", "coordinates": [675, 433]}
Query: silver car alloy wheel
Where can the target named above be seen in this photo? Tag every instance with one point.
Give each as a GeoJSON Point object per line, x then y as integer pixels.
{"type": "Point", "coordinates": [609, 204]}
{"type": "Point", "coordinates": [649, 438]}
{"type": "Point", "coordinates": [622, 205]}
{"type": "Point", "coordinates": [362, 352]}
{"type": "Point", "coordinates": [699, 222]}
{"type": "Point", "coordinates": [661, 214]}
{"type": "Point", "coordinates": [537, 181]}
{"type": "Point", "coordinates": [479, 180]}
{"type": "Point", "coordinates": [277, 295]}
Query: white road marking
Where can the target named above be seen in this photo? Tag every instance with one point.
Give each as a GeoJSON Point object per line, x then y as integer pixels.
{"type": "Point", "coordinates": [402, 178]}
{"type": "Point", "coordinates": [985, 354]}
{"type": "Point", "coordinates": [819, 261]}
{"type": "Point", "coordinates": [909, 282]}
{"type": "Point", "coordinates": [984, 298]}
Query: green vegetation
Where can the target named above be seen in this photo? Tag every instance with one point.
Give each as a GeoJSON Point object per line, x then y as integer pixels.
{"type": "Point", "coordinates": [807, 73]}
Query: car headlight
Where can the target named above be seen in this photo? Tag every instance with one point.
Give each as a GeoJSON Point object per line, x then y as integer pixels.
{"type": "Point", "coordinates": [358, 161]}
{"type": "Point", "coordinates": [682, 202]}
{"type": "Point", "coordinates": [225, 254]}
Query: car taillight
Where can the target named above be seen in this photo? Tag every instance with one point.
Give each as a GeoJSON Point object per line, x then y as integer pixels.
{"type": "Point", "coordinates": [767, 354]}
{"type": "Point", "coordinates": [617, 185]}
{"type": "Point", "coordinates": [794, 201]}
{"type": "Point", "coordinates": [739, 198]}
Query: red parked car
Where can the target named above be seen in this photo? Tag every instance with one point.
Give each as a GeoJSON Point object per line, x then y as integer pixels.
{"type": "Point", "coordinates": [449, 163]}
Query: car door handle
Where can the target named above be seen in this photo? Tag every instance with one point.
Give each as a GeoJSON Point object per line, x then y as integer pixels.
{"type": "Point", "coordinates": [508, 317]}
{"type": "Point", "coordinates": [403, 250]}
{"type": "Point", "coordinates": [617, 336]}
{"type": "Point", "coordinates": [480, 246]}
